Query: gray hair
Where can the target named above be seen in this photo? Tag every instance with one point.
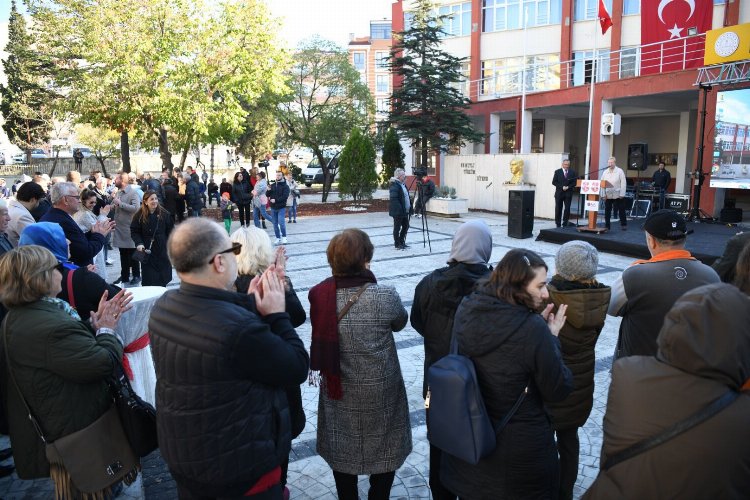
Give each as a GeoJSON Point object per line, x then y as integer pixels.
{"type": "Point", "coordinates": [186, 176]}
{"type": "Point", "coordinates": [612, 158]}
{"type": "Point", "coordinates": [398, 172]}
{"type": "Point", "coordinates": [132, 179]}
{"type": "Point", "coordinates": [59, 190]}
{"type": "Point", "coordinates": [192, 243]}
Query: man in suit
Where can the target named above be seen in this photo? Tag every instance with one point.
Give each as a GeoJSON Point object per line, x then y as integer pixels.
{"type": "Point", "coordinates": [83, 246]}
{"type": "Point", "coordinates": [564, 181]}
{"type": "Point", "coordinates": [399, 208]}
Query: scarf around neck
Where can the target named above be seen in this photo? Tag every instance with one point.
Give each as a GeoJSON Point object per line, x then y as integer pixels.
{"type": "Point", "coordinates": [325, 360]}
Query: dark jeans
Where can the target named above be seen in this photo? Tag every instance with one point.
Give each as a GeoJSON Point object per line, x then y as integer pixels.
{"type": "Point", "coordinates": [211, 197]}
{"type": "Point", "coordinates": [127, 264]}
{"type": "Point", "coordinates": [400, 228]}
{"type": "Point", "coordinates": [563, 198]}
{"type": "Point", "coordinates": [380, 486]}
{"type": "Point", "coordinates": [619, 205]}
{"type": "Point", "coordinates": [439, 492]}
{"type": "Point", "coordinates": [194, 213]}
{"type": "Point", "coordinates": [245, 211]}
{"type": "Point", "coordinates": [662, 195]}
{"type": "Point", "coordinates": [568, 448]}
{"type": "Point", "coordinates": [273, 494]}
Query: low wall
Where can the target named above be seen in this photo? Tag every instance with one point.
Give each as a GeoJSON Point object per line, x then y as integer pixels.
{"type": "Point", "coordinates": [481, 179]}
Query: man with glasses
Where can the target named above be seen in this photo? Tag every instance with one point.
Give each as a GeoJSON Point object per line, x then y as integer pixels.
{"type": "Point", "coordinates": [222, 362]}
{"type": "Point", "coordinates": [83, 246]}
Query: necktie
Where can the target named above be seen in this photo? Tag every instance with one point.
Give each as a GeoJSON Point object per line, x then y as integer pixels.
{"type": "Point", "coordinates": [565, 173]}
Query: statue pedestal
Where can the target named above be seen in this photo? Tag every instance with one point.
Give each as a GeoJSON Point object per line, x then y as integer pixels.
{"type": "Point", "coordinates": [446, 207]}
{"type": "Point", "coordinates": [505, 190]}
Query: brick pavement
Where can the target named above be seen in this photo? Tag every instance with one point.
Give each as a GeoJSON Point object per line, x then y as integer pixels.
{"type": "Point", "coordinates": [309, 476]}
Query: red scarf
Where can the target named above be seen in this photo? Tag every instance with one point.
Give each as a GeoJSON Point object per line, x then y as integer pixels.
{"type": "Point", "coordinates": [324, 348]}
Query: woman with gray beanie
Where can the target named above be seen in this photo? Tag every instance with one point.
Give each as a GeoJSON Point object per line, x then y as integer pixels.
{"type": "Point", "coordinates": [574, 284]}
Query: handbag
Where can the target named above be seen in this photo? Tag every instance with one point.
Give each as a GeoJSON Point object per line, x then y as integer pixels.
{"type": "Point", "coordinates": [457, 420]}
{"type": "Point", "coordinates": [142, 255]}
{"type": "Point", "coordinates": [674, 430]}
{"type": "Point", "coordinates": [97, 456]}
{"type": "Point", "coordinates": [137, 416]}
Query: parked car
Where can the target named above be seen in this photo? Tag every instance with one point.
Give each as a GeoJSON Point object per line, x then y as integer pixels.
{"type": "Point", "coordinates": [68, 152]}
{"type": "Point", "coordinates": [313, 173]}
{"type": "Point", "coordinates": [300, 156]}
{"type": "Point", "coordinates": [36, 154]}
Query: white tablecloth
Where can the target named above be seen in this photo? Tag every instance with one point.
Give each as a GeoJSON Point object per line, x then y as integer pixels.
{"type": "Point", "coordinates": [133, 325]}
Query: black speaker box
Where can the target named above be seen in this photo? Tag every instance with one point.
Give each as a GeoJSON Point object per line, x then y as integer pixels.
{"type": "Point", "coordinates": [520, 213]}
{"type": "Point", "coordinates": [637, 156]}
{"type": "Point", "coordinates": [730, 215]}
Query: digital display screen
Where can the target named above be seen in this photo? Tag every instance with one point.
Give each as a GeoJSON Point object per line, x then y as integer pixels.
{"type": "Point", "coordinates": [730, 161]}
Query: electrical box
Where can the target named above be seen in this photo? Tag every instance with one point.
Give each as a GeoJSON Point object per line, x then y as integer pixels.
{"type": "Point", "coordinates": [611, 124]}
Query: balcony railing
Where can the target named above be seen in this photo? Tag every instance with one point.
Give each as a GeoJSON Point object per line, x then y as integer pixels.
{"type": "Point", "coordinates": [673, 55]}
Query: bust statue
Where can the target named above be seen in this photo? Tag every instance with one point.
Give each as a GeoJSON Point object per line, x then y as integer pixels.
{"type": "Point", "coordinates": [516, 170]}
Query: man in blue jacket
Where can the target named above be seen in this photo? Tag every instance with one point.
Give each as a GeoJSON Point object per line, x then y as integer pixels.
{"type": "Point", "coordinates": [83, 246]}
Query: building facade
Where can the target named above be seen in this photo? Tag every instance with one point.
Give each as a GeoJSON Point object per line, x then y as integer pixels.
{"type": "Point", "coordinates": [530, 69]}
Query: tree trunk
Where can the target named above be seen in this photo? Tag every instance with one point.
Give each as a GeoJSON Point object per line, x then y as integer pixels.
{"type": "Point", "coordinates": [101, 162]}
{"type": "Point", "coordinates": [125, 151]}
{"type": "Point", "coordinates": [327, 177]}
{"type": "Point", "coordinates": [166, 156]}
{"type": "Point", "coordinates": [424, 153]}
{"type": "Point", "coordinates": [183, 157]}
{"type": "Point", "coordinates": [211, 163]}
{"type": "Point", "coordinates": [54, 164]}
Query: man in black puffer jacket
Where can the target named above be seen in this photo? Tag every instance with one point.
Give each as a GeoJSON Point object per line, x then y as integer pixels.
{"type": "Point", "coordinates": [193, 198]}
{"type": "Point", "coordinates": [436, 299]}
{"type": "Point", "coordinates": [222, 362]}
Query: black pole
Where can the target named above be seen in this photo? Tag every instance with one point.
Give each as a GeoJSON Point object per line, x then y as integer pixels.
{"type": "Point", "coordinates": [695, 214]}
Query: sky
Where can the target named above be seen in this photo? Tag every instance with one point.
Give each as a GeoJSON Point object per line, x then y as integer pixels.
{"type": "Point", "coordinates": [300, 19]}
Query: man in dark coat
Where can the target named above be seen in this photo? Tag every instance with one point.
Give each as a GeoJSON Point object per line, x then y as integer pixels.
{"type": "Point", "coordinates": [83, 246]}
{"type": "Point", "coordinates": [225, 187]}
{"type": "Point", "coordinates": [277, 195]}
{"type": "Point", "coordinates": [726, 264]}
{"type": "Point", "coordinates": [661, 180]}
{"type": "Point", "coordinates": [222, 369]}
{"type": "Point", "coordinates": [399, 208]}
{"type": "Point", "coordinates": [703, 354]}
{"type": "Point", "coordinates": [436, 299]}
{"type": "Point", "coordinates": [193, 198]}
{"type": "Point", "coordinates": [564, 181]}
{"type": "Point", "coordinates": [170, 197]}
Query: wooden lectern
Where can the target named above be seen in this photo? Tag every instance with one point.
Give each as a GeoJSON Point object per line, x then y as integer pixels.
{"type": "Point", "coordinates": [592, 188]}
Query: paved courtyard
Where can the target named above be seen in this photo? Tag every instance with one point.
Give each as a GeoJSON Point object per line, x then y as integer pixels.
{"type": "Point", "coordinates": [309, 476]}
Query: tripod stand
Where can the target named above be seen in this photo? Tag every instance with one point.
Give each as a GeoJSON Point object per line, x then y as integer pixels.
{"type": "Point", "coordinates": [423, 217]}
{"type": "Point", "coordinates": [696, 214]}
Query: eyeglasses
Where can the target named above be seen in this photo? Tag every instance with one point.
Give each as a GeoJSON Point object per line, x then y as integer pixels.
{"type": "Point", "coordinates": [236, 249]}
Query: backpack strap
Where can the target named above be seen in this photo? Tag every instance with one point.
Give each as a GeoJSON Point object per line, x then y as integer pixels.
{"type": "Point", "coordinates": [69, 286]}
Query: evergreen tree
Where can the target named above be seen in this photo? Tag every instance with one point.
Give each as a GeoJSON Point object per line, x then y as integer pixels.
{"type": "Point", "coordinates": [393, 155]}
{"type": "Point", "coordinates": [26, 101]}
{"type": "Point", "coordinates": [428, 107]}
{"type": "Point", "coordinates": [357, 176]}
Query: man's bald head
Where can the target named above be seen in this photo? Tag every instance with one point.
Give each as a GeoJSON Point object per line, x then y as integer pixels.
{"type": "Point", "coordinates": [192, 244]}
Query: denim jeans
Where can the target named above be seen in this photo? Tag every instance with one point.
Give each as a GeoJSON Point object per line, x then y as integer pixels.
{"type": "Point", "coordinates": [257, 212]}
{"type": "Point", "coordinates": [194, 213]}
{"type": "Point", "coordinates": [293, 209]}
{"type": "Point", "coordinates": [279, 222]}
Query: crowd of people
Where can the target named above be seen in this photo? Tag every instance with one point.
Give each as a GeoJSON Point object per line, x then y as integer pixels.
{"type": "Point", "coordinates": [229, 362]}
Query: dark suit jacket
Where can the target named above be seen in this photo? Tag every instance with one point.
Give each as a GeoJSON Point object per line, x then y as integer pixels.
{"type": "Point", "coordinates": [83, 246]}
{"type": "Point", "coordinates": [726, 264]}
{"type": "Point", "coordinates": [559, 180]}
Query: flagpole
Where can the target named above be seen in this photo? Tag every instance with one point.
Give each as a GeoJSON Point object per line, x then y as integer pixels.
{"type": "Point", "coordinates": [523, 80]}
{"type": "Point", "coordinates": [587, 169]}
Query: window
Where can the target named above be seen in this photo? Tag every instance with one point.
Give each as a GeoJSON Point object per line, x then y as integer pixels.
{"type": "Point", "coordinates": [381, 60]}
{"type": "Point", "coordinates": [632, 7]}
{"type": "Point", "coordinates": [741, 132]}
{"type": "Point", "coordinates": [457, 20]}
{"type": "Point", "coordinates": [583, 64]}
{"type": "Point", "coordinates": [503, 76]}
{"type": "Point", "coordinates": [629, 65]}
{"type": "Point", "coordinates": [589, 9]}
{"type": "Point", "coordinates": [500, 15]}
{"type": "Point", "coordinates": [537, 136]}
{"type": "Point", "coordinates": [727, 145]}
{"type": "Point", "coordinates": [381, 106]}
{"type": "Point", "coordinates": [380, 31]}
{"type": "Point", "coordinates": [358, 59]}
{"type": "Point", "coordinates": [508, 136]}
{"type": "Point", "coordinates": [381, 83]}
{"type": "Point", "coordinates": [408, 20]}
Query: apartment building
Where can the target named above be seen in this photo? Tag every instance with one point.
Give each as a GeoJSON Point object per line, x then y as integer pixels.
{"type": "Point", "coordinates": [369, 55]}
{"type": "Point", "coordinates": [530, 66]}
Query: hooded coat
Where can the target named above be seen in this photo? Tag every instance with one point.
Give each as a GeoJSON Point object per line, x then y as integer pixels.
{"type": "Point", "coordinates": [511, 347]}
{"type": "Point", "coordinates": [587, 310]}
{"type": "Point", "coordinates": [703, 351]}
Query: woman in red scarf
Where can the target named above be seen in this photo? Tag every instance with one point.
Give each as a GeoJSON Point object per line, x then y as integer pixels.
{"type": "Point", "coordinates": [363, 414]}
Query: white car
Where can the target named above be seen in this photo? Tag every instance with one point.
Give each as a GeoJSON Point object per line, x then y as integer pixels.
{"type": "Point", "coordinates": [313, 173]}
{"type": "Point", "coordinates": [36, 154]}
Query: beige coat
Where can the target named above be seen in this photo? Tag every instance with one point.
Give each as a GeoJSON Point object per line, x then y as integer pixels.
{"type": "Point", "coordinates": [130, 202]}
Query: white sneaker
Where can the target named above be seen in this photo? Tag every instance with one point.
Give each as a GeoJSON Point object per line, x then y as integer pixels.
{"type": "Point", "coordinates": [277, 242]}
{"type": "Point", "coordinates": [283, 240]}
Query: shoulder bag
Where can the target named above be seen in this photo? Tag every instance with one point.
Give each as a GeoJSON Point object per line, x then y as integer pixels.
{"type": "Point", "coordinates": [674, 430]}
{"type": "Point", "coordinates": [97, 456]}
{"type": "Point", "coordinates": [352, 300]}
{"type": "Point", "coordinates": [142, 255]}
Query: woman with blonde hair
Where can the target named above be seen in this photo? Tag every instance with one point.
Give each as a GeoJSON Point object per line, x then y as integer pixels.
{"type": "Point", "coordinates": [150, 230]}
{"type": "Point", "coordinates": [60, 364]}
{"type": "Point", "coordinates": [255, 256]}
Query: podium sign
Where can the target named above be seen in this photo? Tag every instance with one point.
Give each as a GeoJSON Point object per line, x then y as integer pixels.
{"type": "Point", "coordinates": [590, 187]}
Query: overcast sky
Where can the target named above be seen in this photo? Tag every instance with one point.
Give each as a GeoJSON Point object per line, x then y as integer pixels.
{"type": "Point", "coordinates": [331, 19]}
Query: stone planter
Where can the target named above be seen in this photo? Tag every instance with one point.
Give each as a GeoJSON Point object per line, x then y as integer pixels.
{"type": "Point", "coordinates": [446, 207]}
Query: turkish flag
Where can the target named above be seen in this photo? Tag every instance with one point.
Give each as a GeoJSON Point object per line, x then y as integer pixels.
{"type": "Point", "coordinates": [664, 26]}
{"type": "Point", "coordinates": [604, 18]}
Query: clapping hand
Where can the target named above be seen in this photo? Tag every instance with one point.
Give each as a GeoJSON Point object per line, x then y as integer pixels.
{"type": "Point", "coordinates": [268, 290]}
{"type": "Point", "coordinates": [103, 227]}
{"type": "Point", "coordinates": [554, 321]}
{"type": "Point", "coordinates": [110, 311]}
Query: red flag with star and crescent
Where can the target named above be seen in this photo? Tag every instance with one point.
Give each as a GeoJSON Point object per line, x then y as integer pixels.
{"type": "Point", "coordinates": [664, 34]}
{"type": "Point", "coordinates": [604, 18]}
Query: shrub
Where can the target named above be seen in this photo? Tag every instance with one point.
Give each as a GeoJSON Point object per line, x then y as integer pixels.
{"type": "Point", "coordinates": [357, 175]}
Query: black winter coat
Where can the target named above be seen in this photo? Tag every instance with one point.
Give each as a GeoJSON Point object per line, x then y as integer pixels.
{"type": "Point", "coordinates": [587, 310]}
{"type": "Point", "coordinates": [242, 192]}
{"type": "Point", "coordinates": [157, 270]}
{"type": "Point", "coordinates": [435, 302]}
{"type": "Point", "coordinates": [193, 198]}
{"type": "Point", "coordinates": [279, 192]}
{"type": "Point", "coordinates": [399, 204]}
{"type": "Point", "coordinates": [221, 370]}
{"type": "Point", "coordinates": [510, 347]}
{"type": "Point", "coordinates": [170, 198]}
{"type": "Point", "coordinates": [88, 288]}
